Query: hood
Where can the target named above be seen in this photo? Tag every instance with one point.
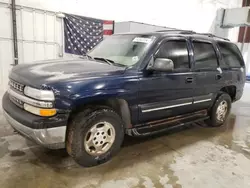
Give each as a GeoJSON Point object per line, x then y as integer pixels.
{"type": "Point", "coordinates": [47, 72]}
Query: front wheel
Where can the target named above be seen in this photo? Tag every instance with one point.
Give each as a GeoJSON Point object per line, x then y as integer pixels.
{"type": "Point", "coordinates": [220, 110]}
{"type": "Point", "coordinates": [95, 137]}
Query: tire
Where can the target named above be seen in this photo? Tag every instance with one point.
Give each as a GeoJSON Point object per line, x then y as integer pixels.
{"type": "Point", "coordinates": [216, 120]}
{"type": "Point", "coordinates": [80, 129]}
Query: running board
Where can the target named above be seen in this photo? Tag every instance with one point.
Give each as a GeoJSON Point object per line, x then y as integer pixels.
{"type": "Point", "coordinates": [167, 124]}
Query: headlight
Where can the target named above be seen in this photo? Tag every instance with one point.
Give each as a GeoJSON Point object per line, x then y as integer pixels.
{"type": "Point", "coordinates": [39, 111]}
{"type": "Point", "coordinates": [33, 102]}
{"type": "Point", "coordinates": [39, 94]}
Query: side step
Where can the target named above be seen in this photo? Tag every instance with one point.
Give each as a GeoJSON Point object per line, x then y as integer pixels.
{"type": "Point", "coordinates": [167, 124]}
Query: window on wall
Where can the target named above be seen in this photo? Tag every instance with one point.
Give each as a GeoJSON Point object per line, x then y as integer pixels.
{"type": "Point", "coordinates": [204, 55]}
{"type": "Point", "coordinates": [231, 55]}
{"type": "Point", "coordinates": [177, 51]}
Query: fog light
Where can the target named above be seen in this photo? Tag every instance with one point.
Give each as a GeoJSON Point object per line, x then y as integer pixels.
{"type": "Point", "coordinates": [40, 111]}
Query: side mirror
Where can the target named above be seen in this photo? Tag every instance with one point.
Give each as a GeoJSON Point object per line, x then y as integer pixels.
{"type": "Point", "coordinates": [161, 64]}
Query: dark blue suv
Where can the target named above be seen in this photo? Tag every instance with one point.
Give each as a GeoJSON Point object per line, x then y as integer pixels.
{"type": "Point", "coordinates": [135, 84]}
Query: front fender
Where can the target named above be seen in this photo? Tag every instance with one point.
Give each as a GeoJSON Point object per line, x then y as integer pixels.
{"type": "Point", "coordinates": [100, 95]}
{"type": "Point", "coordinates": [74, 94]}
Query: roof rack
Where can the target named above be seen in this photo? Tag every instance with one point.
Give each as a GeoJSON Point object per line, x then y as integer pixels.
{"type": "Point", "coordinates": [212, 35]}
{"type": "Point", "coordinates": [179, 31]}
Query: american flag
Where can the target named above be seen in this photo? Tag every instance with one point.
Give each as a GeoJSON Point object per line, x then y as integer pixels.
{"type": "Point", "coordinates": [81, 34]}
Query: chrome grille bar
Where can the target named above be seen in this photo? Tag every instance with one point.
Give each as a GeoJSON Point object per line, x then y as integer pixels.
{"type": "Point", "coordinates": [16, 85]}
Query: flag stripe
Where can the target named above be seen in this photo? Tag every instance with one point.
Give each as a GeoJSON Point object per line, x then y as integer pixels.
{"type": "Point", "coordinates": [108, 22]}
{"type": "Point", "coordinates": [107, 32]}
{"type": "Point", "coordinates": [107, 26]}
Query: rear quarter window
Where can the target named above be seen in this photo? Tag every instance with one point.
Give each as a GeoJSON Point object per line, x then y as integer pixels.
{"type": "Point", "coordinates": [231, 55]}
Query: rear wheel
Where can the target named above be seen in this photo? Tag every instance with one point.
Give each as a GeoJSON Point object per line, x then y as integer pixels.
{"type": "Point", "coordinates": [95, 137]}
{"type": "Point", "coordinates": [220, 110]}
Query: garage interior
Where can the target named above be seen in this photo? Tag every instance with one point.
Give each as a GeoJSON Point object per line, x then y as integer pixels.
{"type": "Point", "coordinates": [190, 156]}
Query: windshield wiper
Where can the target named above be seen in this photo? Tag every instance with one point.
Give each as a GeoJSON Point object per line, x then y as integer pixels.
{"type": "Point", "coordinates": [108, 61]}
{"type": "Point", "coordinates": [87, 56]}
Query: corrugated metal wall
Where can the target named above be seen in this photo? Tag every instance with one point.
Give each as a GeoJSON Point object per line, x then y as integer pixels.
{"type": "Point", "coordinates": [39, 34]}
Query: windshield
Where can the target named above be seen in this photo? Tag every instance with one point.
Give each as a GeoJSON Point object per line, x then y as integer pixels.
{"type": "Point", "coordinates": [126, 50]}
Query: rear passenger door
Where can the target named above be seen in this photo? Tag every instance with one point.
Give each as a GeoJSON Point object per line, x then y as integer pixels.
{"type": "Point", "coordinates": [206, 72]}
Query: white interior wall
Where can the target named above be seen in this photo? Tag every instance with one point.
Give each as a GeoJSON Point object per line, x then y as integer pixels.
{"type": "Point", "coordinates": [246, 56]}
{"type": "Point", "coordinates": [39, 37]}
{"type": "Point", "coordinates": [131, 26]}
{"type": "Point", "coordinates": [197, 15]}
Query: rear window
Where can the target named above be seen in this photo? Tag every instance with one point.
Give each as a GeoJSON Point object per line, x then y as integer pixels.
{"type": "Point", "coordinates": [231, 55]}
{"type": "Point", "coordinates": [204, 55]}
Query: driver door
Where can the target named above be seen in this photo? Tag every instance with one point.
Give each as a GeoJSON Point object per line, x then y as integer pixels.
{"type": "Point", "coordinates": [166, 94]}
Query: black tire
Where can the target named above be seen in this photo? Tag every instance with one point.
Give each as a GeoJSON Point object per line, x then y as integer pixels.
{"type": "Point", "coordinates": [213, 121]}
{"type": "Point", "coordinates": [79, 127]}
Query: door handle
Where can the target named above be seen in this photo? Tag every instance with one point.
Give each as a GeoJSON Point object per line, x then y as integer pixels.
{"type": "Point", "coordinates": [189, 80]}
{"type": "Point", "coordinates": [218, 76]}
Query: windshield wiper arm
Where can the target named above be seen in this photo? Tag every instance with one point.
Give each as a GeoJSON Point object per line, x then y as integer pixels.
{"type": "Point", "coordinates": [88, 56]}
{"type": "Point", "coordinates": [108, 61]}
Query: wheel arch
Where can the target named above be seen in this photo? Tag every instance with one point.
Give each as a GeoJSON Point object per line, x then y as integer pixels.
{"type": "Point", "coordinates": [230, 90]}
{"type": "Point", "coordinates": [119, 105]}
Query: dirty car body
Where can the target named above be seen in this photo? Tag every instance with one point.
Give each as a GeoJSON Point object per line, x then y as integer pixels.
{"type": "Point", "coordinates": [147, 98]}
{"type": "Point", "coordinates": [73, 82]}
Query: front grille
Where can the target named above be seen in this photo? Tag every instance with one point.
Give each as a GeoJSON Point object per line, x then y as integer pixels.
{"type": "Point", "coordinates": [17, 86]}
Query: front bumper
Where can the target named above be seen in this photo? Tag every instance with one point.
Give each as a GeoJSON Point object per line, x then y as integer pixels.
{"type": "Point", "coordinates": [53, 138]}
{"type": "Point", "coordinates": [48, 132]}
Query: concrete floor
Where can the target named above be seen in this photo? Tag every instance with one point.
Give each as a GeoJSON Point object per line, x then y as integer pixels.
{"type": "Point", "coordinates": [194, 156]}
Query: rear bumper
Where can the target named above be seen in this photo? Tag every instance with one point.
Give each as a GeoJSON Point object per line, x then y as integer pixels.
{"type": "Point", "coordinates": [239, 94]}
{"type": "Point", "coordinates": [46, 131]}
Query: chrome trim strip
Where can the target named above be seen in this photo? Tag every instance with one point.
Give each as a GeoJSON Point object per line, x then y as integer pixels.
{"type": "Point", "coordinates": [204, 100]}
{"type": "Point", "coordinates": [53, 138]}
{"type": "Point", "coordinates": [166, 107]}
{"type": "Point", "coordinates": [219, 69]}
{"type": "Point", "coordinates": [27, 99]}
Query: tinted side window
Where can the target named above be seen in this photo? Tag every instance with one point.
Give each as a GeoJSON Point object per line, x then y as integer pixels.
{"type": "Point", "coordinates": [175, 50]}
{"type": "Point", "coordinates": [231, 55]}
{"type": "Point", "coordinates": [204, 55]}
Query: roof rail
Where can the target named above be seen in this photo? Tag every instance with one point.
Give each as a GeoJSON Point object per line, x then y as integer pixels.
{"type": "Point", "coordinates": [178, 31]}
{"type": "Point", "coordinates": [212, 35]}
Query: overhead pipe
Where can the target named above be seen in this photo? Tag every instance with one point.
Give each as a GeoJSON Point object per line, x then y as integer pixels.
{"type": "Point", "coordinates": [14, 31]}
